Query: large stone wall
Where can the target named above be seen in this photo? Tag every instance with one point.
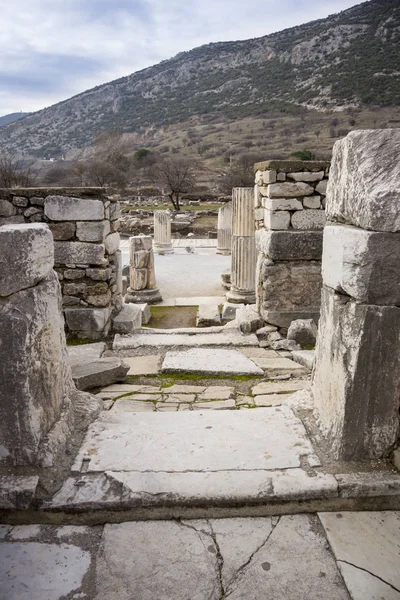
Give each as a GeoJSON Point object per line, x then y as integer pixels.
{"type": "Point", "coordinates": [84, 223]}
{"type": "Point", "coordinates": [290, 217]}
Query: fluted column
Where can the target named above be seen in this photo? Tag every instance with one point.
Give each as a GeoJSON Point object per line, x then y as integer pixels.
{"type": "Point", "coordinates": [244, 256]}
{"type": "Point", "coordinates": [142, 274]}
{"type": "Point", "coordinates": [225, 229]}
{"type": "Point", "coordinates": [162, 232]}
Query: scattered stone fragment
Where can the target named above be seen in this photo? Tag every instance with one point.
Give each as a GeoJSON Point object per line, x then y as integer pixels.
{"type": "Point", "coordinates": [288, 345]}
{"type": "Point", "coordinates": [208, 315]}
{"type": "Point", "coordinates": [99, 372]}
{"type": "Point", "coordinates": [303, 332]}
{"type": "Point", "coordinates": [304, 357]}
{"type": "Point", "coordinates": [248, 319]}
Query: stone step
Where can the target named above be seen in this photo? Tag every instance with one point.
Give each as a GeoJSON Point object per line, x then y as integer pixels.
{"type": "Point", "coordinates": [208, 315]}
{"type": "Point", "coordinates": [210, 361]}
{"type": "Point", "coordinates": [198, 338]}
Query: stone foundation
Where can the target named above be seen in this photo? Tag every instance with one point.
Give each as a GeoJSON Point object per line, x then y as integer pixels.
{"type": "Point", "coordinates": [84, 223]}
{"type": "Point", "coordinates": [289, 201]}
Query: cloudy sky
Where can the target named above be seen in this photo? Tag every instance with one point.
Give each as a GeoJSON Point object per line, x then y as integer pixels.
{"type": "Point", "coordinates": [53, 49]}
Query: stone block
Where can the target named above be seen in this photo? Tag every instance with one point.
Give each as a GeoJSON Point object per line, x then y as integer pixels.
{"type": "Point", "coordinates": [63, 231]}
{"type": "Point", "coordinates": [128, 319]}
{"type": "Point", "coordinates": [112, 243]}
{"type": "Point", "coordinates": [363, 264]}
{"type": "Point", "coordinates": [291, 286]}
{"type": "Point", "coordinates": [20, 201]}
{"type": "Point", "coordinates": [79, 253]}
{"type": "Point", "coordinates": [229, 311]}
{"type": "Point", "coordinates": [17, 492]}
{"type": "Point", "coordinates": [283, 318]}
{"type": "Point", "coordinates": [356, 381]}
{"type": "Point", "coordinates": [308, 219]}
{"type": "Point", "coordinates": [16, 220]}
{"type": "Point", "coordinates": [87, 319]}
{"type": "Point", "coordinates": [290, 245]}
{"type": "Point", "coordinates": [312, 202]}
{"type": "Point", "coordinates": [31, 211]}
{"type": "Point", "coordinates": [303, 332]}
{"type": "Point", "coordinates": [321, 187]}
{"type": "Point", "coordinates": [141, 242]}
{"type": "Point", "coordinates": [64, 208]}
{"type": "Point", "coordinates": [100, 372]}
{"type": "Point", "coordinates": [99, 274]}
{"type": "Point", "coordinates": [307, 176]}
{"type": "Point", "coordinates": [92, 231]}
{"type": "Point", "coordinates": [140, 259]}
{"type": "Point", "coordinates": [289, 190]}
{"type": "Point", "coordinates": [27, 256]}
{"type": "Point", "coordinates": [267, 177]}
{"type": "Point", "coordinates": [306, 358]}
{"type": "Point", "coordinates": [7, 209]}
{"type": "Point", "coordinates": [282, 204]}
{"type": "Point", "coordinates": [248, 319]}
{"type": "Point", "coordinates": [276, 220]}
{"type": "Point", "coordinates": [208, 315]}
{"type": "Point", "coordinates": [85, 353]}
{"type": "Point", "coordinates": [364, 184]}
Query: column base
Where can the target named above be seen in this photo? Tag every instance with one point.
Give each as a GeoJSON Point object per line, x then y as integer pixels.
{"type": "Point", "coordinates": [163, 249]}
{"type": "Point", "coordinates": [241, 296]}
{"type": "Point", "coordinates": [143, 296]}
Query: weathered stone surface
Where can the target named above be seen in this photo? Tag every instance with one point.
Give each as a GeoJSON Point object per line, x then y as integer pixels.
{"type": "Point", "coordinates": [290, 245]}
{"type": "Point", "coordinates": [87, 319]}
{"type": "Point", "coordinates": [303, 332]}
{"type": "Point", "coordinates": [112, 243]}
{"type": "Point", "coordinates": [321, 187]}
{"type": "Point", "coordinates": [102, 371]}
{"type": "Point", "coordinates": [279, 387]}
{"type": "Point", "coordinates": [143, 365]}
{"type": "Point", "coordinates": [276, 219]}
{"type": "Point", "coordinates": [289, 190]}
{"type": "Point", "coordinates": [284, 318]}
{"type": "Point", "coordinates": [15, 220]}
{"type": "Point", "coordinates": [208, 315]}
{"type": "Point", "coordinates": [209, 361]}
{"type": "Point", "coordinates": [98, 300]}
{"type": "Point", "coordinates": [26, 256]}
{"type": "Point", "coordinates": [307, 176]}
{"type": "Point", "coordinates": [282, 204]}
{"type": "Point", "coordinates": [78, 253]}
{"type": "Point", "coordinates": [312, 202]}
{"type": "Point", "coordinates": [288, 345]}
{"type": "Point", "coordinates": [146, 314]}
{"type": "Point", "coordinates": [366, 547]}
{"type": "Point", "coordinates": [362, 485]}
{"type": "Point", "coordinates": [63, 231]}
{"type": "Point", "coordinates": [128, 319]}
{"type": "Point", "coordinates": [7, 209]}
{"type": "Point", "coordinates": [248, 319]}
{"type": "Point", "coordinates": [308, 219]}
{"type": "Point", "coordinates": [304, 357]}
{"type": "Point", "coordinates": [229, 311]}
{"type": "Point", "coordinates": [291, 286]}
{"type": "Point", "coordinates": [362, 264]}
{"type": "Point", "coordinates": [64, 208]}
{"type": "Point", "coordinates": [364, 180]}
{"type": "Point", "coordinates": [357, 409]}
{"type": "Point", "coordinates": [20, 201]}
{"type": "Point", "coordinates": [85, 352]}
{"type": "Point", "coordinates": [92, 231]}
{"type": "Point", "coordinates": [99, 274]}
{"type": "Point", "coordinates": [17, 492]}
{"type": "Point", "coordinates": [193, 337]}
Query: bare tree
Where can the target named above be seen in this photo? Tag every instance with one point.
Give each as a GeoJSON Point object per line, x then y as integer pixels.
{"type": "Point", "coordinates": [14, 173]}
{"type": "Point", "coordinates": [78, 173]}
{"type": "Point", "coordinates": [102, 174]}
{"type": "Point", "coordinates": [176, 175]}
{"type": "Point", "coordinates": [239, 174]}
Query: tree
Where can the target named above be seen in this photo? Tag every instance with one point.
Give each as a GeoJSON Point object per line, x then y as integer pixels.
{"type": "Point", "coordinates": [239, 174]}
{"type": "Point", "coordinates": [304, 155]}
{"type": "Point", "coordinates": [101, 173]}
{"type": "Point", "coordinates": [176, 175]}
{"type": "Point", "coordinates": [14, 173]}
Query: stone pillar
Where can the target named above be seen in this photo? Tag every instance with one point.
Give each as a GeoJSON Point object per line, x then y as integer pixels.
{"type": "Point", "coordinates": [356, 383]}
{"type": "Point", "coordinates": [162, 232]}
{"type": "Point", "coordinates": [243, 247]}
{"type": "Point", "coordinates": [225, 230]}
{"type": "Point", "coordinates": [39, 405]}
{"type": "Point", "coordinates": [142, 274]}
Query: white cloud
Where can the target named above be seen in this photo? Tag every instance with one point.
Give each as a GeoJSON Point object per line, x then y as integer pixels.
{"type": "Point", "coordinates": [53, 49]}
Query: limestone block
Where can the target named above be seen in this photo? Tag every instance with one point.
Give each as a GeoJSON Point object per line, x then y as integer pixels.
{"type": "Point", "coordinates": [115, 211]}
{"type": "Point", "coordinates": [99, 274]}
{"type": "Point", "coordinates": [7, 209]}
{"type": "Point", "coordinates": [63, 231]}
{"type": "Point", "coordinates": [290, 245]}
{"type": "Point", "coordinates": [282, 204]}
{"type": "Point", "coordinates": [74, 273]}
{"type": "Point", "coordinates": [356, 382]}
{"type": "Point", "coordinates": [362, 264]}
{"type": "Point", "coordinates": [277, 220]}
{"type": "Point", "coordinates": [289, 190]}
{"type": "Point", "coordinates": [63, 208]}
{"type": "Point", "coordinates": [26, 256]}
{"type": "Point", "coordinates": [364, 184]}
{"type": "Point", "coordinates": [29, 212]}
{"type": "Point", "coordinates": [146, 314]}
{"type": "Point", "coordinates": [100, 372]}
{"type": "Point", "coordinates": [321, 187]}
{"type": "Point", "coordinates": [99, 300]}
{"type": "Point", "coordinates": [312, 202]}
{"type": "Point", "coordinates": [87, 319]}
{"type": "Point", "coordinates": [92, 231]}
{"type": "Point", "coordinates": [248, 319]}
{"type": "Point", "coordinates": [291, 286]}
{"type": "Point", "coordinates": [308, 219]}
{"type": "Point", "coordinates": [20, 201]}
{"type": "Point", "coordinates": [37, 383]}
{"type": "Point", "coordinates": [303, 332]}
{"type": "Point", "coordinates": [140, 242]}
{"type": "Point", "coordinates": [281, 177]}
{"type": "Point", "coordinates": [112, 243]}
{"type": "Point", "coordinates": [229, 311]}
{"type": "Point", "coordinates": [128, 319]}
{"type": "Point", "coordinates": [138, 279]}
{"type": "Point", "coordinates": [283, 318]}
{"type": "Point", "coordinates": [208, 315]}
{"type": "Point", "coordinates": [266, 177]}
{"type": "Point", "coordinates": [259, 214]}
{"type": "Point", "coordinates": [78, 253]}
{"type": "Point", "coordinates": [308, 176]}
{"type": "Point", "coordinates": [16, 220]}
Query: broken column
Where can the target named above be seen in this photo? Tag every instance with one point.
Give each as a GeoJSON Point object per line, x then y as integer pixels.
{"type": "Point", "coordinates": [243, 247]}
{"type": "Point", "coordinates": [162, 232]}
{"type": "Point", "coordinates": [142, 273]}
{"type": "Point", "coordinates": [356, 383]}
{"type": "Point", "coordinates": [40, 405]}
{"type": "Point", "coordinates": [290, 216]}
{"type": "Point", "coordinates": [225, 230]}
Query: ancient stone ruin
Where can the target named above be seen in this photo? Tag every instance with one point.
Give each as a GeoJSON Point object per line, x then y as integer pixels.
{"type": "Point", "coordinates": [162, 232]}
{"type": "Point", "coordinates": [143, 287]}
{"type": "Point", "coordinates": [224, 231]}
{"type": "Point", "coordinates": [40, 407]}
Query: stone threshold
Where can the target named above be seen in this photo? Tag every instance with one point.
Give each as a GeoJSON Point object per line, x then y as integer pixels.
{"type": "Point", "coordinates": [112, 497]}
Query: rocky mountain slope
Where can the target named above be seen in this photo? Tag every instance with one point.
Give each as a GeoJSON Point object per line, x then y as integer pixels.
{"type": "Point", "coordinates": [6, 119]}
{"type": "Point", "coordinates": [348, 59]}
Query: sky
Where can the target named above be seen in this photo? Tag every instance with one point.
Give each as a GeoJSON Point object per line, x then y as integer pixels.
{"type": "Point", "coordinates": [51, 50]}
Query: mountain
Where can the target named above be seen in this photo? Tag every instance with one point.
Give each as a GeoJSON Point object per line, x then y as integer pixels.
{"type": "Point", "coordinates": [6, 119]}
{"type": "Point", "coordinates": [350, 59]}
